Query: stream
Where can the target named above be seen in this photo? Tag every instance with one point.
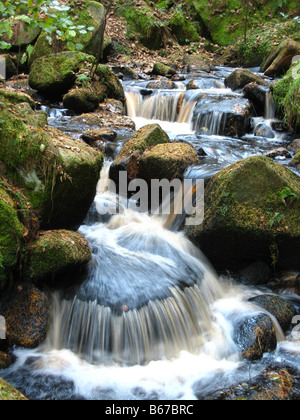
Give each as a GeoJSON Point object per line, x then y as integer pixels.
{"type": "Point", "coordinates": [153, 320]}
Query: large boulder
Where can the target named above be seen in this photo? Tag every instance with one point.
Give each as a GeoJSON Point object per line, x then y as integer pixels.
{"type": "Point", "coordinates": [282, 310]}
{"type": "Point", "coordinates": [22, 33]}
{"type": "Point", "coordinates": [11, 234]}
{"type": "Point", "coordinates": [255, 336]}
{"type": "Point", "coordinates": [129, 157]}
{"type": "Point", "coordinates": [287, 98]}
{"type": "Point", "coordinates": [58, 174]}
{"type": "Point", "coordinates": [56, 256]}
{"type": "Point", "coordinates": [242, 77]}
{"type": "Point", "coordinates": [252, 212]}
{"type": "Point", "coordinates": [27, 316]}
{"type": "Point", "coordinates": [90, 15]}
{"type": "Point", "coordinates": [280, 60]}
{"type": "Point", "coordinates": [55, 74]}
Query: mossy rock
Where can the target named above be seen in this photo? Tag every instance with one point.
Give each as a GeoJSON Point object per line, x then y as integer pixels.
{"type": "Point", "coordinates": [183, 29]}
{"type": "Point", "coordinates": [161, 69]}
{"type": "Point", "coordinates": [10, 67]}
{"type": "Point", "coordinates": [130, 154]}
{"type": "Point", "coordinates": [280, 60]}
{"type": "Point", "coordinates": [242, 77]}
{"type": "Point", "coordinates": [59, 174]}
{"type": "Point", "coordinates": [224, 21]}
{"type": "Point", "coordinates": [15, 97]}
{"type": "Point", "coordinates": [255, 336]}
{"type": "Point", "coordinates": [282, 310]}
{"type": "Point", "coordinates": [286, 93]}
{"type": "Point", "coordinates": [113, 86]}
{"type": "Point", "coordinates": [54, 74]}
{"type": "Point", "coordinates": [296, 160]}
{"type": "Point", "coordinates": [85, 99]}
{"type": "Point", "coordinates": [27, 317]}
{"type": "Point", "coordinates": [57, 257]}
{"type": "Point", "coordinates": [252, 211]}
{"type": "Point", "coordinates": [23, 33]}
{"type": "Point", "coordinates": [167, 161]}
{"type": "Point", "coordinates": [11, 234]}
{"type": "Point", "coordinates": [90, 15]}
{"type": "Point", "coordinates": [9, 393]}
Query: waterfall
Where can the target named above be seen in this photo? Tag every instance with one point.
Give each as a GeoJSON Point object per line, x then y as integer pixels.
{"type": "Point", "coordinates": [171, 106]}
{"type": "Point", "coordinates": [147, 296]}
{"type": "Point", "coordinates": [270, 107]}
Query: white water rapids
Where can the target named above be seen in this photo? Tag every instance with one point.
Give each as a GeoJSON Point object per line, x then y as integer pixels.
{"type": "Point", "coordinates": [152, 320]}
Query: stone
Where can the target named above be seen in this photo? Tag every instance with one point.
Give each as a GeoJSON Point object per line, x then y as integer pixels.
{"type": "Point", "coordinates": [242, 77]}
{"type": "Point", "coordinates": [294, 147]}
{"type": "Point", "coordinates": [161, 84]}
{"type": "Point", "coordinates": [282, 310]}
{"type": "Point", "coordinates": [246, 218]}
{"type": "Point", "coordinates": [58, 174]}
{"type": "Point", "coordinates": [257, 95]}
{"type": "Point", "coordinates": [255, 336]}
{"type": "Point", "coordinates": [54, 74]}
{"type": "Point", "coordinates": [56, 258]}
{"type": "Point", "coordinates": [101, 134]}
{"type": "Point", "coordinates": [279, 152]}
{"type": "Point", "coordinates": [280, 59]}
{"type": "Point", "coordinates": [27, 316]}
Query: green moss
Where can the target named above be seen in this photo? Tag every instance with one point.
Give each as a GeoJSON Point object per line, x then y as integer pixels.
{"type": "Point", "coordinates": [82, 100]}
{"type": "Point", "coordinates": [11, 232]}
{"type": "Point", "coordinates": [167, 161]}
{"type": "Point", "coordinates": [161, 69]}
{"type": "Point", "coordinates": [56, 252]}
{"type": "Point", "coordinates": [114, 88]}
{"type": "Point", "coordinates": [15, 97]}
{"type": "Point", "coordinates": [286, 93]}
{"type": "Point", "coordinates": [182, 28]}
{"type": "Point", "coordinates": [55, 74]}
{"type": "Point", "coordinates": [8, 393]}
{"type": "Point", "coordinates": [246, 215]}
{"type": "Point", "coordinates": [143, 22]}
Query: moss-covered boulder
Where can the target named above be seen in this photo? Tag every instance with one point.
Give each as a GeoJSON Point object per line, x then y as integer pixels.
{"type": "Point", "coordinates": [27, 317]}
{"type": "Point", "coordinates": [9, 393]}
{"type": "Point", "coordinates": [11, 234]}
{"type": "Point", "coordinates": [14, 96]}
{"type": "Point", "coordinates": [89, 15]}
{"type": "Point", "coordinates": [296, 160]}
{"type": "Point", "coordinates": [167, 161]}
{"type": "Point", "coordinates": [56, 258]}
{"type": "Point", "coordinates": [85, 99]}
{"type": "Point", "coordinates": [242, 77]}
{"type": "Point", "coordinates": [286, 93]}
{"type": "Point", "coordinates": [161, 69]}
{"type": "Point", "coordinates": [255, 336]}
{"type": "Point", "coordinates": [128, 158]}
{"type": "Point", "coordinates": [55, 74]}
{"type": "Point", "coordinates": [59, 174]}
{"type": "Point", "coordinates": [182, 28]}
{"type": "Point", "coordinates": [282, 310]}
{"type": "Point", "coordinates": [280, 60]}
{"type": "Point", "coordinates": [252, 211]}
{"type": "Point", "coordinates": [22, 32]}
{"type": "Point", "coordinates": [113, 86]}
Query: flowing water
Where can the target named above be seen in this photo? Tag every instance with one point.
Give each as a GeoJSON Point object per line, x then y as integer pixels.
{"type": "Point", "coordinates": [152, 320]}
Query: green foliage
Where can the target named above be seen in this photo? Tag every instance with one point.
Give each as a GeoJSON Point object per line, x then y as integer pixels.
{"type": "Point", "coordinates": [48, 15]}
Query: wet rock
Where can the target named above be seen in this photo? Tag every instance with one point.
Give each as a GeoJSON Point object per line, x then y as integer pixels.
{"type": "Point", "coordinates": [263, 130]}
{"type": "Point", "coordinates": [242, 77]}
{"type": "Point", "coordinates": [255, 336]}
{"type": "Point", "coordinates": [257, 95]}
{"type": "Point", "coordinates": [162, 70]}
{"type": "Point", "coordinates": [280, 59]}
{"type": "Point", "coordinates": [277, 306]}
{"type": "Point", "coordinates": [101, 134]}
{"type": "Point", "coordinates": [57, 258]}
{"type": "Point", "coordinates": [219, 115]}
{"type": "Point", "coordinates": [161, 84]}
{"type": "Point", "coordinates": [6, 360]}
{"type": "Point", "coordinates": [279, 152]}
{"type": "Point", "coordinates": [255, 274]}
{"type": "Point", "coordinates": [246, 219]}
{"type": "Point", "coordinates": [27, 317]}
{"type": "Point", "coordinates": [271, 385]}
